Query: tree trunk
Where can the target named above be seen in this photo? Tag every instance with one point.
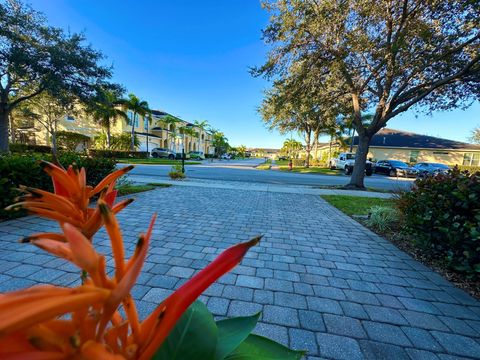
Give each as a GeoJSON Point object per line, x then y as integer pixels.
{"type": "Point", "coordinates": [358, 175]}
{"type": "Point", "coordinates": [308, 149]}
{"type": "Point", "coordinates": [54, 143]}
{"type": "Point", "coordinates": [330, 149]}
{"type": "Point", "coordinates": [12, 129]}
{"type": "Point", "coordinates": [4, 122]}
{"type": "Point", "coordinates": [109, 135]}
{"type": "Point", "coordinates": [132, 145]}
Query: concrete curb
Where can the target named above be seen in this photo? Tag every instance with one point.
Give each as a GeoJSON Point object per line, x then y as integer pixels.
{"type": "Point", "coordinates": [289, 189]}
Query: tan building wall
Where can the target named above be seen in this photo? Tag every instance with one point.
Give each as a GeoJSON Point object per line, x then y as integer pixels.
{"type": "Point", "coordinates": [412, 155]}
{"type": "Point", "coordinates": [79, 123]}
{"type": "Point", "coordinates": [83, 124]}
{"type": "Point", "coordinates": [167, 137]}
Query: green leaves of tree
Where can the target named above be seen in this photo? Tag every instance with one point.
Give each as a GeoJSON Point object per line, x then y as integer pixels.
{"type": "Point", "coordinates": [197, 336]}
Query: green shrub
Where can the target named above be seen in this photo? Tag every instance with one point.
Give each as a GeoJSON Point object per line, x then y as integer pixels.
{"type": "Point", "coordinates": [176, 172]}
{"type": "Point", "coordinates": [470, 169]}
{"type": "Point", "coordinates": [117, 154]}
{"type": "Point", "coordinates": [27, 148]}
{"type": "Point", "coordinates": [382, 218]}
{"type": "Point", "coordinates": [443, 214]}
{"type": "Point", "coordinates": [70, 140]}
{"type": "Point", "coordinates": [16, 170]}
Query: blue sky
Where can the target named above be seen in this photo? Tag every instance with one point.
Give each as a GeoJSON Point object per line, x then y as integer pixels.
{"type": "Point", "coordinates": [191, 59]}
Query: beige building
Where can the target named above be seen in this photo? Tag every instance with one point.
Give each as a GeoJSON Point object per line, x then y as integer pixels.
{"type": "Point", "coordinates": [167, 135]}
{"type": "Point", "coordinates": [160, 133]}
{"type": "Point", "coordinates": [390, 144]}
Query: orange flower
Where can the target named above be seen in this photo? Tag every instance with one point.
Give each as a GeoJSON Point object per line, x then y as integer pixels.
{"type": "Point", "coordinates": [29, 324]}
{"type": "Point", "coordinates": [70, 201]}
{"type": "Point", "coordinates": [50, 322]}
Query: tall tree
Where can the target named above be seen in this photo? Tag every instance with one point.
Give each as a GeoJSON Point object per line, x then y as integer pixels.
{"type": "Point", "coordinates": [105, 109]}
{"type": "Point", "coordinates": [384, 56]}
{"type": "Point", "coordinates": [36, 57]}
{"type": "Point", "coordinates": [203, 126]}
{"type": "Point", "coordinates": [171, 123]}
{"type": "Point", "coordinates": [49, 111]}
{"type": "Point", "coordinates": [138, 108]}
{"type": "Point", "coordinates": [475, 137]}
{"type": "Point", "coordinates": [187, 130]}
{"type": "Point", "coordinates": [291, 148]}
{"type": "Point", "coordinates": [289, 106]}
{"type": "Point", "coordinates": [219, 142]}
{"type": "Point", "coordinates": [242, 149]}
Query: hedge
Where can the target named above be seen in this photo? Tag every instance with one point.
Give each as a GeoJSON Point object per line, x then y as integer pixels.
{"type": "Point", "coordinates": [443, 214]}
{"type": "Point", "coordinates": [26, 170]}
{"type": "Point", "coordinates": [117, 154]}
{"type": "Point", "coordinates": [470, 169]}
{"type": "Point", "coordinates": [27, 148]}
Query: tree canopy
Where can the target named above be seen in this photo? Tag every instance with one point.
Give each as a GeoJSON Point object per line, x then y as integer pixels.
{"type": "Point", "coordinates": [383, 56]}
{"type": "Point", "coordinates": [36, 57]}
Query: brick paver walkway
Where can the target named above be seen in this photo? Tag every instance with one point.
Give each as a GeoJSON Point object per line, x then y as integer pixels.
{"type": "Point", "coordinates": [324, 283]}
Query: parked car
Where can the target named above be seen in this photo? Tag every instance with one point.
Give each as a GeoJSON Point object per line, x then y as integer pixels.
{"type": "Point", "coordinates": [226, 156]}
{"type": "Point", "coordinates": [282, 158]}
{"type": "Point", "coordinates": [395, 168]}
{"type": "Point", "coordinates": [163, 153]}
{"type": "Point", "coordinates": [425, 169]}
{"type": "Point", "coordinates": [346, 161]}
{"type": "Point", "coordinates": [178, 155]}
{"type": "Point", "coordinates": [197, 155]}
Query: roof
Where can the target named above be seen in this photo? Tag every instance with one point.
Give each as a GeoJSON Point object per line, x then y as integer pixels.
{"type": "Point", "coordinates": [398, 138]}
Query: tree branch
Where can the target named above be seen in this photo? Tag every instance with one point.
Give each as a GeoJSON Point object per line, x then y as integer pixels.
{"type": "Point", "coordinates": [413, 99]}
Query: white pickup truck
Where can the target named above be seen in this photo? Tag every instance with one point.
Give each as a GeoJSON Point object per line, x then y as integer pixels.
{"type": "Point", "coordinates": [346, 160]}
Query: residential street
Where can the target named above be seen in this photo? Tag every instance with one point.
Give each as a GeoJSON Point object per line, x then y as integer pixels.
{"type": "Point", "coordinates": [323, 282]}
{"type": "Point", "coordinates": [244, 171]}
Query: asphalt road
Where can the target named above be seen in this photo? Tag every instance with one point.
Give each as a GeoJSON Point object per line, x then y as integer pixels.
{"type": "Point", "coordinates": [244, 171]}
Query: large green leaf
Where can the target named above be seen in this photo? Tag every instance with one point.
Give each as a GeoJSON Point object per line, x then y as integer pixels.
{"type": "Point", "coordinates": [257, 347]}
{"type": "Point", "coordinates": [232, 332]}
{"type": "Point", "coordinates": [193, 337]}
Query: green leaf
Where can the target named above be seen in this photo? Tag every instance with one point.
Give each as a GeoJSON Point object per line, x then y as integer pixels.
{"type": "Point", "coordinates": [257, 347]}
{"type": "Point", "coordinates": [193, 337]}
{"type": "Point", "coordinates": [232, 332]}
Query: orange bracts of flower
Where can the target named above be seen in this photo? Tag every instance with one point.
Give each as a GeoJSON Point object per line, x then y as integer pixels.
{"type": "Point", "coordinates": [71, 198]}
{"type": "Point", "coordinates": [49, 322]}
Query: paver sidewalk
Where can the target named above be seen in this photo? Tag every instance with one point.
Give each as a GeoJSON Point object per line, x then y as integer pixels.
{"type": "Point", "coordinates": [323, 282]}
{"type": "Point", "coordinates": [255, 186]}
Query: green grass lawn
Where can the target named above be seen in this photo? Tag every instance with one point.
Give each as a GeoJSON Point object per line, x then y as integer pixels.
{"type": "Point", "coordinates": [263, 167]}
{"type": "Point", "coordinates": [159, 184]}
{"type": "Point", "coordinates": [312, 170]}
{"type": "Point", "coordinates": [132, 189]}
{"type": "Point", "coordinates": [355, 205]}
{"type": "Point", "coordinates": [155, 161]}
{"type": "Point", "coordinates": [342, 187]}
{"type": "Point", "coordinates": [281, 162]}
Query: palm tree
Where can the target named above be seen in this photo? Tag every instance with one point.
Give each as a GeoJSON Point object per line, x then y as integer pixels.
{"type": "Point", "coordinates": [105, 111]}
{"type": "Point", "coordinates": [203, 126]}
{"type": "Point", "coordinates": [138, 107]}
{"type": "Point", "coordinates": [242, 149]}
{"type": "Point", "coordinates": [171, 122]}
{"type": "Point", "coordinates": [187, 130]}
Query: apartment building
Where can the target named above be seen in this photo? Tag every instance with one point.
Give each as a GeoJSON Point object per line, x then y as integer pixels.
{"type": "Point", "coordinates": [163, 130]}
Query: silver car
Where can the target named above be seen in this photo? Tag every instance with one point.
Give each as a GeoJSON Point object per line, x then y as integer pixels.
{"type": "Point", "coordinates": [163, 153]}
{"type": "Point", "coordinates": [425, 169]}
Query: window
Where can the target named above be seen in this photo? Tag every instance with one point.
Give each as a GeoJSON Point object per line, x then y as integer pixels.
{"type": "Point", "coordinates": [413, 156]}
{"type": "Point", "coordinates": [69, 118]}
{"type": "Point", "coordinates": [145, 123]}
{"type": "Point", "coordinates": [471, 159]}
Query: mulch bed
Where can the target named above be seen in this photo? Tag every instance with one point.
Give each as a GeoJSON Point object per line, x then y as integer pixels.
{"type": "Point", "coordinates": [403, 242]}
